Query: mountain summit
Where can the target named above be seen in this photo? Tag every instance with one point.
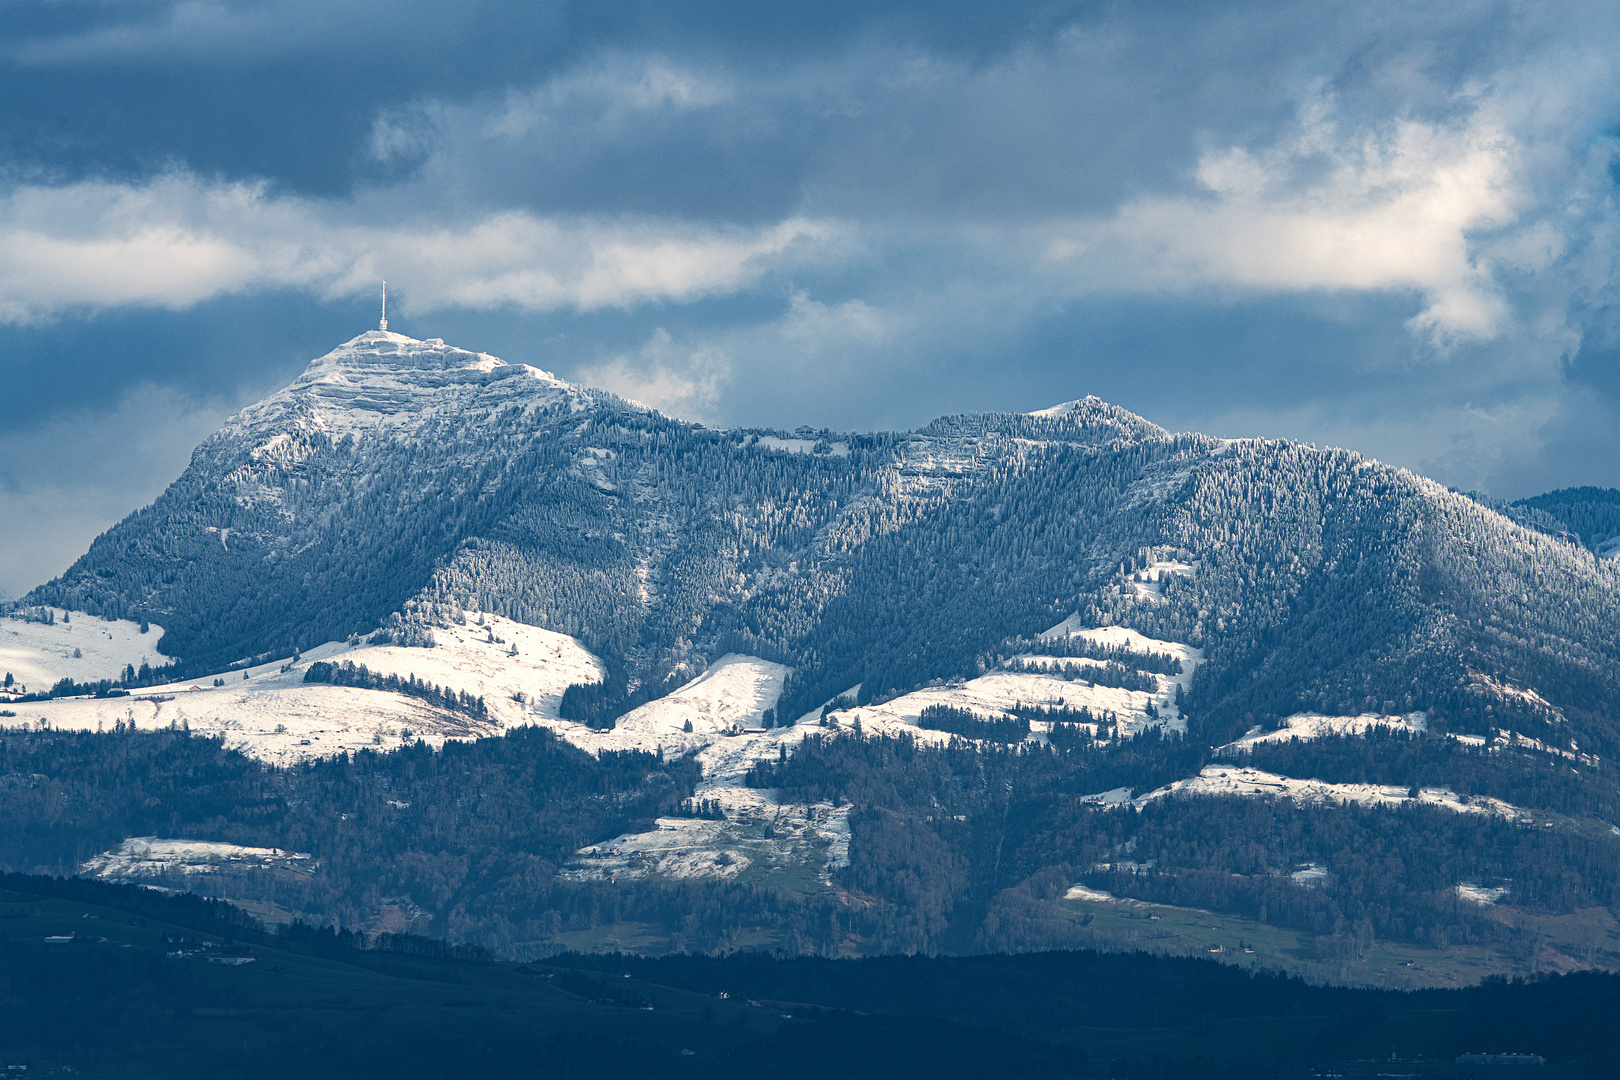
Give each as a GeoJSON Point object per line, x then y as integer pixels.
{"type": "Point", "coordinates": [381, 378]}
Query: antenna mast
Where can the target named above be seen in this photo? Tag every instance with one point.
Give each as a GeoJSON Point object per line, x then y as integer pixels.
{"type": "Point", "coordinates": [383, 324]}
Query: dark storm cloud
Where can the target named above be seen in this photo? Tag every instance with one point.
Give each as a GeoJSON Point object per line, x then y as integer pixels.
{"type": "Point", "coordinates": [289, 91]}
{"type": "Point", "coordinates": [1386, 226]}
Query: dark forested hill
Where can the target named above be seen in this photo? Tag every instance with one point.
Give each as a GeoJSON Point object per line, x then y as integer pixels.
{"type": "Point", "coordinates": [100, 980]}
{"type": "Point", "coordinates": [1592, 514]}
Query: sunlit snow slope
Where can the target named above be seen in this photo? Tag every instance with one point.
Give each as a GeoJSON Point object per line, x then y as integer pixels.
{"type": "Point", "coordinates": [85, 649]}
{"type": "Point", "coordinates": [275, 715]}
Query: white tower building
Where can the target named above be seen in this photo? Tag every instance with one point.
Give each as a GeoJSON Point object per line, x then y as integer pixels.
{"type": "Point", "coordinates": [383, 324]}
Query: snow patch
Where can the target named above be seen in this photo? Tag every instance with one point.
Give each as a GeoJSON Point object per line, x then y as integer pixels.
{"type": "Point", "coordinates": [1482, 895]}
{"type": "Point", "coordinates": [1309, 876]}
{"type": "Point", "coordinates": [1507, 692]}
{"type": "Point", "coordinates": [1316, 726]}
{"type": "Point", "coordinates": [1252, 783]}
{"type": "Point", "coordinates": [151, 857]}
{"type": "Point", "coordinates": [1517, 741]}
{"type": "Point", "coordinates": [993, 696]}
{"type": "Point", "coordinates": [798, 446]}
{"type": "Point", "coordinates": [1083, 892]}
{"type": "Point", "coordinates": [757, 833]}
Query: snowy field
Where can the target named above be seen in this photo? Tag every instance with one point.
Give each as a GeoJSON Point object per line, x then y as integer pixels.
{"type": "Point", "coordinates": [994, 694]}
{"type": "Point", "coordinates": [493, 658]}
{"type": "Point", "coordinates": [731, 695]}
{"type": "Point", "coordinates": [795, 446]}
{"type": "Point", "coordinates": [143, 857]}
{"type": "Point", "coordinates": [38, 656]}
{"type": "Point", "coordinates": [275, 716]}
{"type": "Point", "coordinates": [1231, 780]}
{"type": "Point", "coordinates": [1316, 726]}
{"type": "Point", "coordinates": [1148, 583]}
{"type": "Point", "coordinates": [280, 721]}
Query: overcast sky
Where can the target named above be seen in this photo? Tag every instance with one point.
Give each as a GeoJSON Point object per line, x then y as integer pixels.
{"type": "Point", "coordinates": [1388, 227]}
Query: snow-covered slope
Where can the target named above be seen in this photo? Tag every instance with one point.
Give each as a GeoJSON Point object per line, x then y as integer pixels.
{"type": "Point", "coordinates": [146, 857]}
{"type": "Point", "coordinates": [38, 654]}
{"type": "Point", "coordinates": [731, 695]}
{"type": "Point", "coordinates": [994, 694]}
{"type": "Point", "coordinates": [386, 381]}
{"type": "Point", "coordinates": [1315, 726]}
{"type": "Point", "coordinates": [273, 714]}
{"type": "Point", "coordinates": [1252, 783]}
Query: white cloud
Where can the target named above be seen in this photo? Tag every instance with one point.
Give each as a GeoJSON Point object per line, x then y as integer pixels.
{"type": "Point", "coordinates": [819, 328]}
{"type": "Point", "coordinates": [610, 92]}
{"type": "Point", "coordinates": [677, 380]}
{"type": "Point", "coordinates": [1399, 207]}
{"type": "Point", "coordinates": [178, 240]}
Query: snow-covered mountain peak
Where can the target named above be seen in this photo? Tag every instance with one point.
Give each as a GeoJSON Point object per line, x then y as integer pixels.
{"type": "Point", "coordinates": [386, 379]}
{"type": "Point", "coordinates": [1066, 408]}
{"type": "Point", "coordinates": [380, 348]}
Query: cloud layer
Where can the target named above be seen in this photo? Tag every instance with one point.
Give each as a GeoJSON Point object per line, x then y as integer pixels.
{"type": "Point", "coordinates": [1396, 208]}
{"type": "Point", "coordinates": [177, 240]}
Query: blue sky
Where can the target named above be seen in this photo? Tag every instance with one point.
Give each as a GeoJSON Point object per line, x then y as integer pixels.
{"type": "Point", "coordinates": [1391, 227]}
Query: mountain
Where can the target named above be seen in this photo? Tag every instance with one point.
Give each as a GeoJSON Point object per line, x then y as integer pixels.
{"type": "Point", "coordinates": [1591, 514]}
{"type": "Point", "coordinates": [1075, 647]}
